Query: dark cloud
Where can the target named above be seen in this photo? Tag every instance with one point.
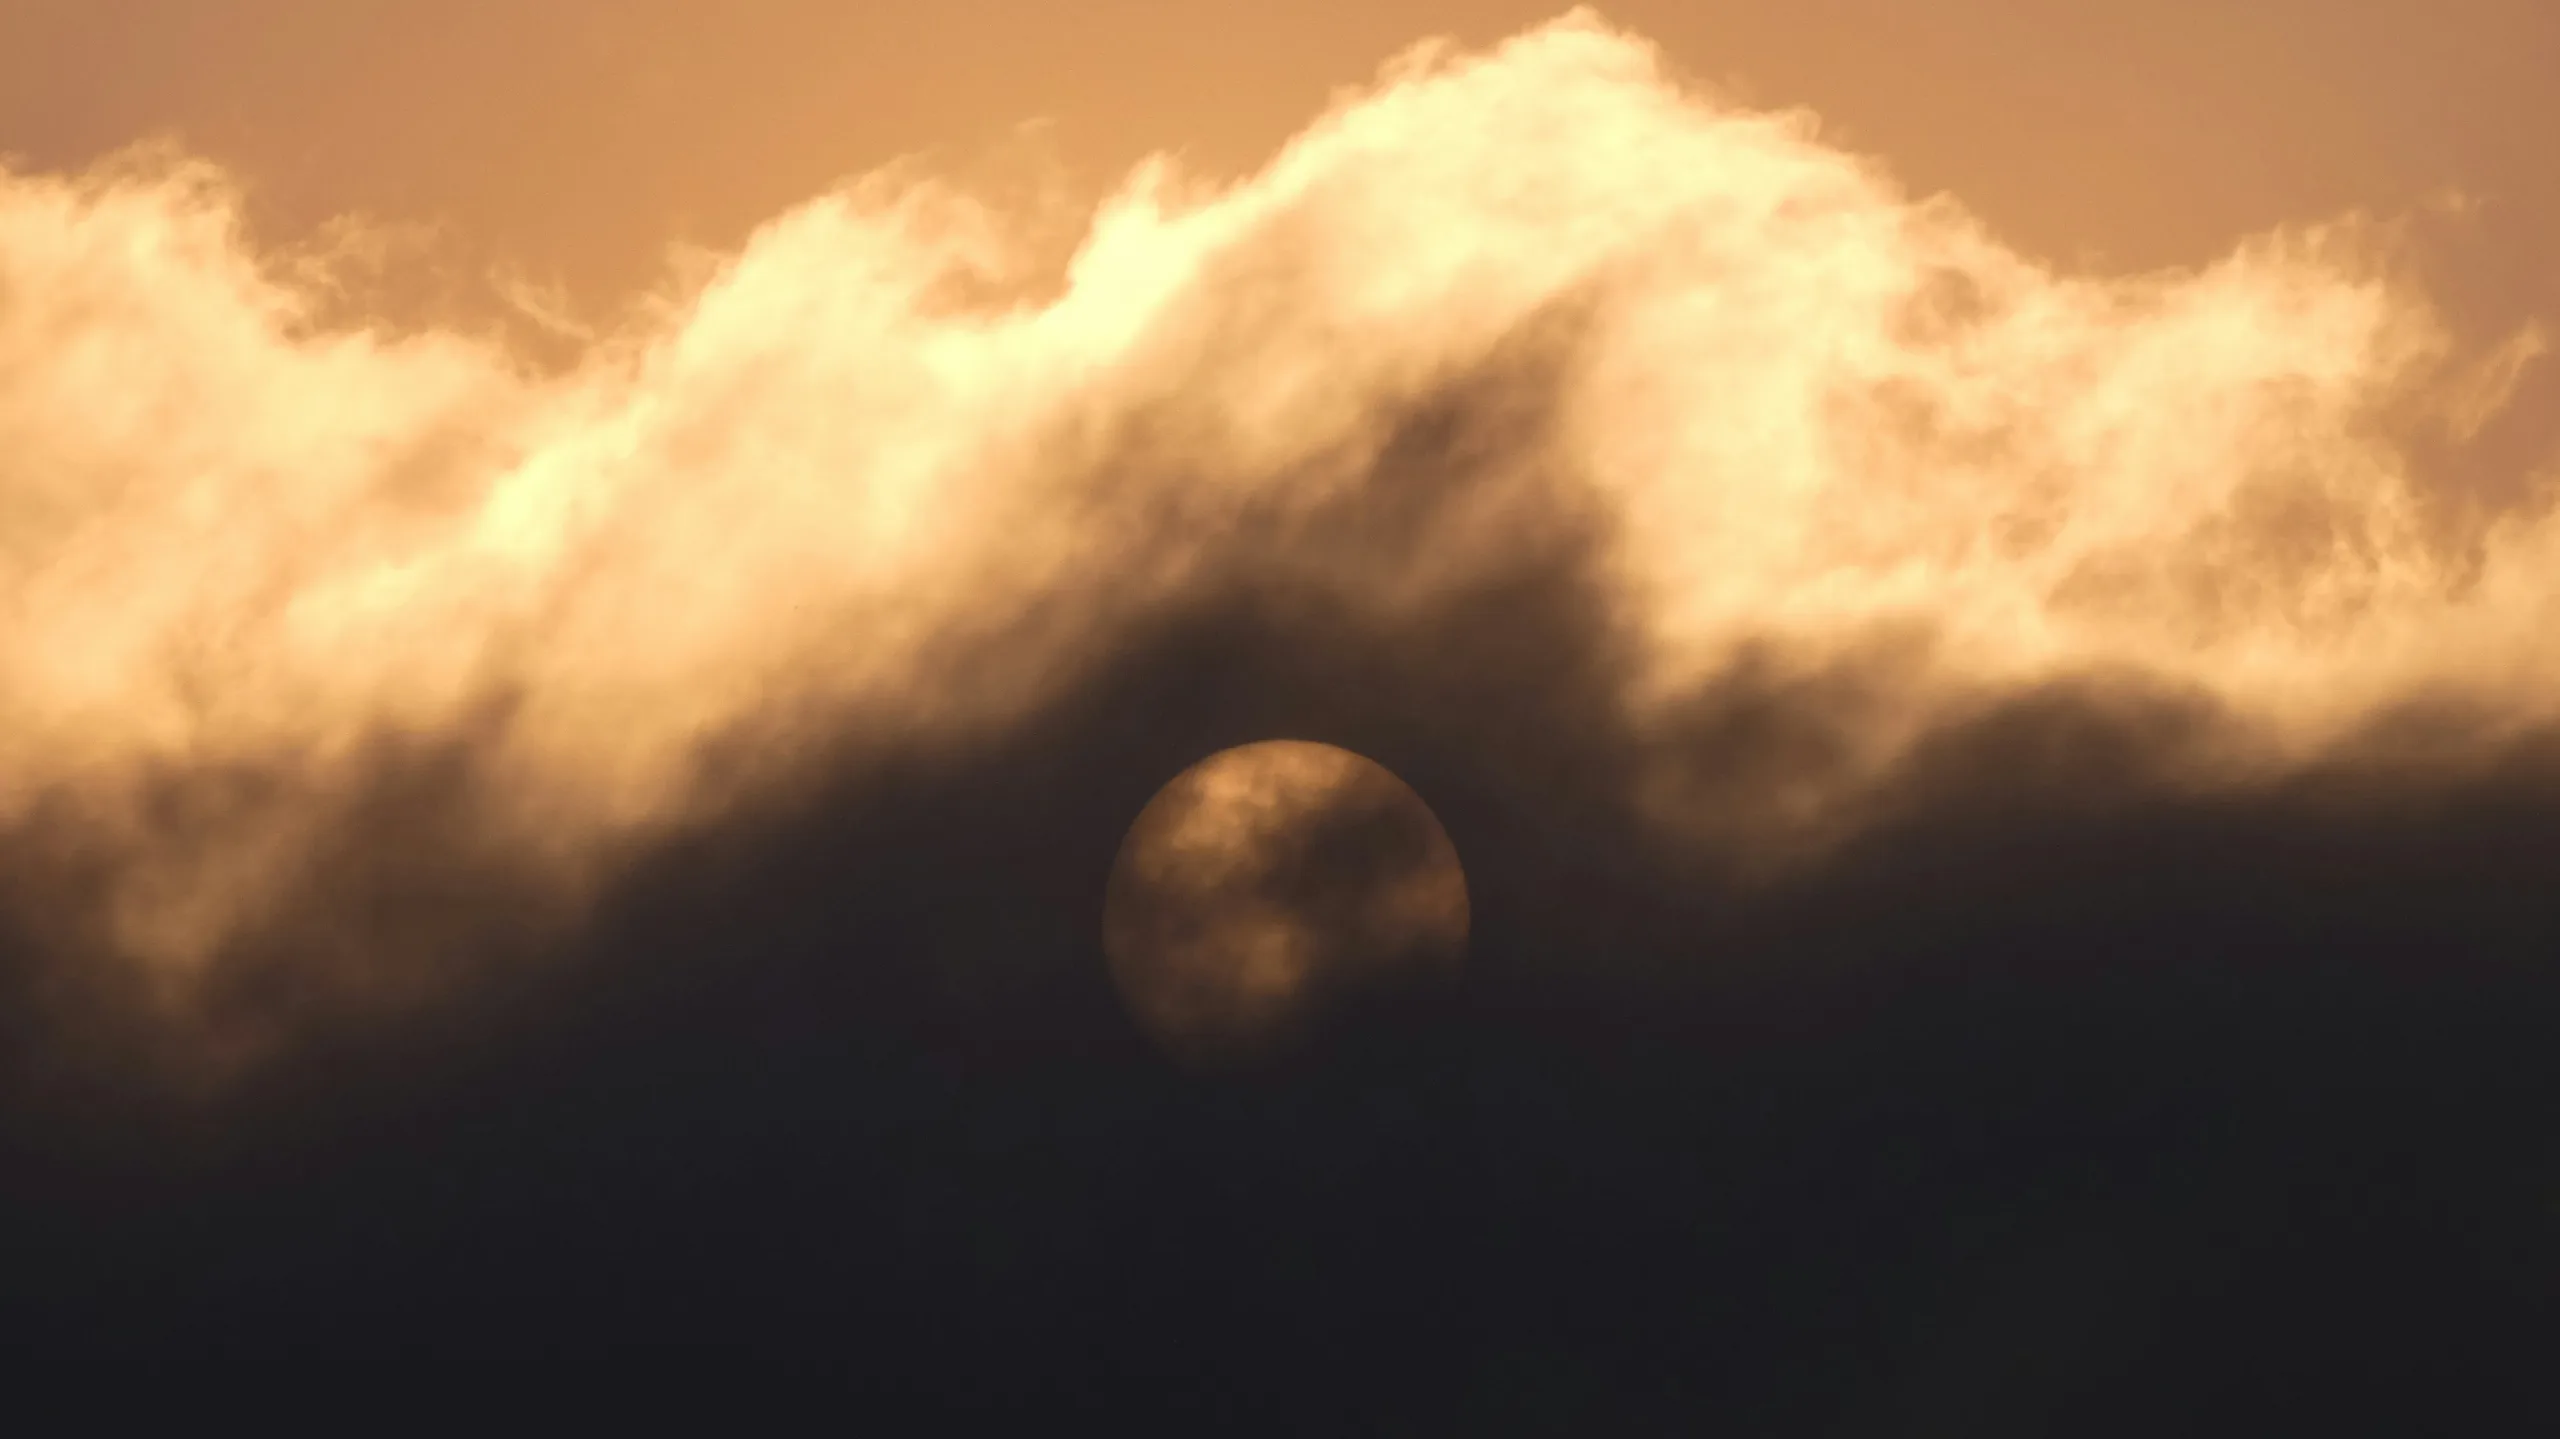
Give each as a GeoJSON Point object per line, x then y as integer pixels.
{"type": "Point", "coordinates": [2064, 1097]}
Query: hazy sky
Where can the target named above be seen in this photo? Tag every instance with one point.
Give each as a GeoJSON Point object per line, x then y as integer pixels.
{"type": "Point", "coordinates": [2005, 781]}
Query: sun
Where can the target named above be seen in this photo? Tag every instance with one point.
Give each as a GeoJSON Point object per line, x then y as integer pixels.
{"type": "Point", "coordinates": [1268, 888]}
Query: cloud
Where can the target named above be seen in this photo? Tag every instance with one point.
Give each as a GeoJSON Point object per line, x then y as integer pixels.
{"type": "Point", "coordinates": [330, 652]}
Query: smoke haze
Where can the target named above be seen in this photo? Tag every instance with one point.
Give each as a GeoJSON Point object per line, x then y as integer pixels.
{"type": "Point", "coordinates": [880, 483]}
{"type": "Point", "coordinates": [1968, 584]}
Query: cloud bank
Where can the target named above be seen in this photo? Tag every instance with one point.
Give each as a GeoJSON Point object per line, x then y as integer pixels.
{"type": "Point", "coordinates": [272, 578]}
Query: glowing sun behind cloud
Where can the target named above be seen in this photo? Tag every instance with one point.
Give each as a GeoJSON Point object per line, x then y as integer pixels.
{"type": "Point", "coordinates": [1271, 883]}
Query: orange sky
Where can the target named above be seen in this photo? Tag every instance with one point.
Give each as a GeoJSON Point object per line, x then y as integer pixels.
{"type": "Point", "coordinates": [577, 135]}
